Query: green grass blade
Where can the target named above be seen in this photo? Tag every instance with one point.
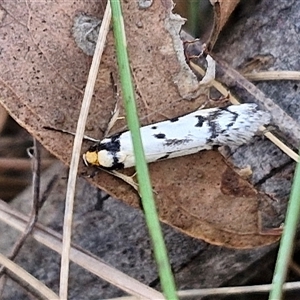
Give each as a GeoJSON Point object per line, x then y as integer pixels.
{"type": "Point", "coordinates": [287, 240]}
{"type": "Point", "coordinates": [193, 17]}
{"type": "Point", "coordinates": [160, 252]}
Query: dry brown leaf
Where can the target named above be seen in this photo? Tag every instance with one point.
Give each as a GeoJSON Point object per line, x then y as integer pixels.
{"type": "Point", "coordinates": [44, 73]}
{"type": "Point", "coordinates": [226, 9]}
{"type": "Point", "coordinates": [3, 117]}
{"type": "Point", "coordinates": [222, 11]}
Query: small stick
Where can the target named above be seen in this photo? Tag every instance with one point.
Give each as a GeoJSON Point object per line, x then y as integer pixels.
{"type": "Point", "coordinates": [65, 256]}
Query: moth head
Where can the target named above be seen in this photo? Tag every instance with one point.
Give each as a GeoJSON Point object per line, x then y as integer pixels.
{"type": "Point", "coordinates": [90, 158]}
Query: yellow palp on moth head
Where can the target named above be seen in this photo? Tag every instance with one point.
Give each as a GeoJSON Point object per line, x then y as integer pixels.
{"type": "Point", "coordinates": [91, 158]}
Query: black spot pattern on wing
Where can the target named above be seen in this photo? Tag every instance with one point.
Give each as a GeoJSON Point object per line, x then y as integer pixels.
{"type": "Point", "coordinates": [176, 142]}
{"type": "Point", "coordinates": [154, 127]}
{"type": "Point", "coordinates": [112, 146]}
{"type": "Point", "coordinates": [200, 122]}
{"type": "Point", "coordinates": [160, 136]}
{"type": "Point", "coordinates": [234, 114]}
{"type": "Point", "coordinates": [116, 165]}
{"type": "Point", "coordinates": [215, 128]}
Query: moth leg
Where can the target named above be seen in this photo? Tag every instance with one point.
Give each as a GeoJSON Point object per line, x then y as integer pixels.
{"type": "Point", "coordinates": [127, 179]}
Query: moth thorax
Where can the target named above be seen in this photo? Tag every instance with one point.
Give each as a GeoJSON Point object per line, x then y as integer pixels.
{"type": "Point", "coordinates": [108, 159]}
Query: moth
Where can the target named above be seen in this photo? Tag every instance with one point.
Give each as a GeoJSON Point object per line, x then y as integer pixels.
{"type": "Point", "coordinates": [200, 130]}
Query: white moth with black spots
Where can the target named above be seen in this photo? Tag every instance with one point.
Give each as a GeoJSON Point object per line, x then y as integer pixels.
{"type": "Point", "coordinates": [200, 130]}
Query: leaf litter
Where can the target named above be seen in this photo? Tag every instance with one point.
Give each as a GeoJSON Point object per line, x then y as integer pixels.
{"type": "Point", "coordinates": [47, 91]}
